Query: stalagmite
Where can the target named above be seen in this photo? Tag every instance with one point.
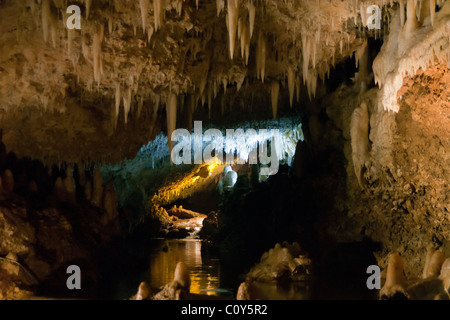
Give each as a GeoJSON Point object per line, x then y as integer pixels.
{"type": "Point", "coordinates": [233, 15]}
{"type": "Point", "coordinates": [144, 291]}
{"type": "Point", "coordinates": [275, 94]}
{"type": "Point", "coordinates": [248, 291]}
{"type": "Point", "coordinates": [171, 111]}
{"type": "Point", "coordinates": [430, 251]}
{"type": "Point", "coordinates": [182, 277]}
{"type": "Point", "coordinates": [158, 13]}
{"type": "Point", "coordinates": [252, 16]}
{"type": "Point", "coordinates": [69, 185]}
{"type": "Point", "coordinates": [127, 103]}
{"type": "Point", "coordinates": [394, 286]}
{"type": "Point", "coordinates": [445, 275]}
{"type": "Point", "coordinates": [359, 133]}
{"type": "Point", "coordinates": [8, 181]}
{"type": "Point", "coordinates": [291, 85]}
{"type": "Point", "coordinates": [144, 5]}
{"type": "Point", "coordinates": [434, 265]}
{"type": "Point", "coordinates": [97, 187]}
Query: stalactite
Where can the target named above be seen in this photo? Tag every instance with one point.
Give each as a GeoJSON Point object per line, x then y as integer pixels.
{"type": "Point", "coordinates": [425, 11]}
{"type": "Point", "coordinates": [127, 103]}
{"type": "Point", "coordinates": [233, 15]}
{"type": "Point", "coordinates": [432, 11]}
{"type": "Point", "coordinates": [144, 5]}
{"type": "Point", "coordinates": [252, 16]}
{"type": "Point", "coordinates": [275, 93]}
{"type": "Point", "coordinates": [215, 88]}
{"type": "Point", "coordinates": [110, 25]}
{"type": "Point", "coordinates": [190, 112]}
{"type": "Point", "coordinates": [210, 95]}
{"type": "Point", "coordinates": [179, 7]}
{"type": "Point", "coordinates": [117, 98]}
{"type": "Point", "coordinates": [46, 17]}
{"type": "Point", "coordinates": [359, 134]}
{"type": "Point", "coordinates": [411, 18]}
{"type": "Point", "coordinates": [88, 8]}
{"type": "Point", "coordinates": [171, 111]}
{"type": "Point", "coordinates": [70, 38]}
{"type": "Point", "coordinates": [362, 58]}
{"type": "Point", "coordinates": [297, 84]}
{"type": "Point", "coordinates": [225, 85]}
{"type": "Point", "coordinates": [261, 57]}
{"type": "Point", "coordinates": [362, 11]}
{"type": "Point", "coordinates": [291, 85]}
{"type": "Point", "coordinates": [158, 13]}
{"type": "Point", "coordinates": [139, 106]}
{"type": "Point", "coordinates": [97, 187]}
{"type": "Point", "coordinates": [69, 184]}
{"type": "Point", "coordinates": [220, 6]}
{"type": "Point", "coordinates": [97, 56]}
{"type": "Point", "coordinates": [245, 43]}
{"type": "Point", "coordinates": [306, 50]}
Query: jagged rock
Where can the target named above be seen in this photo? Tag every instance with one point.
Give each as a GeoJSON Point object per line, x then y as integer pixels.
{"type": "Point", "coordinates": [282, 264]}
{"type": "Point", "coordinates": [210, 225]}
{"type": "Point", "coordinates": [16, 232]}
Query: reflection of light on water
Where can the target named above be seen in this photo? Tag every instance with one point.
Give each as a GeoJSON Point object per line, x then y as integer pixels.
{"type": "Point", "coordinates": [204, 274]}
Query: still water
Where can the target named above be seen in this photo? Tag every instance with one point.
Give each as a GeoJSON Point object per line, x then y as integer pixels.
{"type": "Point", "coordinates": [209, 277]}
{"type": "Point", "coordinates": [205, 271]}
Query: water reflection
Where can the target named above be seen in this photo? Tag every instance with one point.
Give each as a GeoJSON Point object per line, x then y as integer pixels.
{"type": "Point", "coordinates": [205, 272]}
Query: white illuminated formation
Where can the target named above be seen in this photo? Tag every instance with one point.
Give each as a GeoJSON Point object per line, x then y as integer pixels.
{"type": "Point", "coordinates": [411, 47]}
{"type": "Point", "coordinates": [243, 142]}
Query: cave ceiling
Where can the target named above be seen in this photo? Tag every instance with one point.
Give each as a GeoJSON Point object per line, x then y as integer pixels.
{"type": "Point", "coordinates": [99, 93]}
